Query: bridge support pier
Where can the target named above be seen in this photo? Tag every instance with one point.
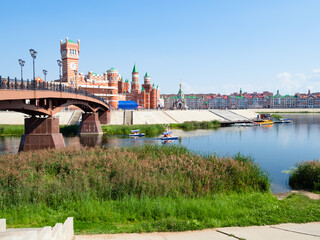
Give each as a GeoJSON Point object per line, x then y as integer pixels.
{"type": "Point", "coordinates": [90, 124]}
{"type": "Point", "coordinates": [41, 133]}
{"type": "Point", "coordinates": [104, 117]}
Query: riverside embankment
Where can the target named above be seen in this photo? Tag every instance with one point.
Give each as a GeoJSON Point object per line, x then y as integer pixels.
{"type": "Point", "coordinates": [133, 117]}
{"type": "Point", "coordinates": [141, 189]}
{"type": "Point", "coordinates": [119, 117]}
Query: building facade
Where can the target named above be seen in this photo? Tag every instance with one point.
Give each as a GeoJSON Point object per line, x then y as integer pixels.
{"type": "Point", "coordinates": [244, 100]}
{"type": "Point", "coordinates": [109, 85]}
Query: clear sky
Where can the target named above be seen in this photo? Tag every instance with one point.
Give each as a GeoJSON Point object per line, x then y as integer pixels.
{"type": "Point", "coordinates": [209, 46]}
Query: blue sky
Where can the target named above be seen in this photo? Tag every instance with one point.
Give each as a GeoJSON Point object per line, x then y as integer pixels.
{"type": "Point", "coordinates": [208, 46]}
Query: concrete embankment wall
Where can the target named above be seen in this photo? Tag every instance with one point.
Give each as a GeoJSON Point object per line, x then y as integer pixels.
{"type": "Point", "coordinates": [120, 117]}
{"type": "Point", "coordinates": [288, 110]}
{"type": "Point", "coordinates": [179, 116]}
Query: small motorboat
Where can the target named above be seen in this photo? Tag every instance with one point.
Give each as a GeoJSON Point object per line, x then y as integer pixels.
{"type": "Point", "coordinates": [136, 133]}
{"type": "Point", "coordinates": [244, 124]}
{"type": "Point", "coordinates": [167, 136]}
{"type": "Point", "coordinates": [287, 120]}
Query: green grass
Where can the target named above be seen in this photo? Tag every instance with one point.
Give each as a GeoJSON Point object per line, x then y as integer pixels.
{"type": "Point", "coordinates": [149, 129]}
{"type": "Point", "coordinates": [275, 116]}
{"type": "Point", "coordinates": [141, 189]}
{"type": "Point", "coordinates": [18, 130]}
{"type": "Point", "coordinates": [145, 214]}
{"type": "Point", "coordinates": [193, 125]}
{"type": "Point", "coordinates": [306, 176]}
{"type": "Point", "coordinates": [11, 130]}
{"type": "Point", "coordinates": [52, 176]}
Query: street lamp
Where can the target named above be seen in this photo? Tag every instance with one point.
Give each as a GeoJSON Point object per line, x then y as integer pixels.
{"type": "Point", "coordinates": [33, 54]}
{"type": "Point", "coordinates": [60, 65]}
{"type": "Point", "coordinates": [93, 87]}
{"type": "Point", "coordinates": [75, 79]}
{"type": "Point", "coordinates": [85, 78]}
{"type": "Point", "coordinates": [21, 63]}
{"type": "Point", "coordinates": [45, 76]}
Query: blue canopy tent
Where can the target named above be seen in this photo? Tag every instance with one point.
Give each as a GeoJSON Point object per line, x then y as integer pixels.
{"type": "Point", "coordinates": [127, 105]}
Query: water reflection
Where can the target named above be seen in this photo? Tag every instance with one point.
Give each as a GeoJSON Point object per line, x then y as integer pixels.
{"type": "Point", "coordinates": [275, 148]}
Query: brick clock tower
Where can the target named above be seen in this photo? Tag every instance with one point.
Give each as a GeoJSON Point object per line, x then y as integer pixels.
{"type": "Point", "coordinates": [70, 56]}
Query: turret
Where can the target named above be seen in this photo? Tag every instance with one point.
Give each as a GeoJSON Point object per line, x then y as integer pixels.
{"type": "Point", "coordinates": [135, 85]}
{"type": "Point", "coordinates": [142, 102]}
{"type": "Point", "coordinates": [126, 86]}
{"type": "Point", "coordinates": [146, 79]}
{"type": "Point", "coordinates": [112, 95]}
{"type": "Point", "coordinates": [135, 74]}
{"type": "Point", "coordinates": [153, 97]}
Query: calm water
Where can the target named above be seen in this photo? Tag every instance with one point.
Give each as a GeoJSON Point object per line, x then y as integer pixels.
{"type": "Point", "coordinates": [275, 148]}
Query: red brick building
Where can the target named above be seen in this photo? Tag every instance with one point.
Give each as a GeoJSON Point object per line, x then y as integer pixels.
{"type": "Point", "coordinates": [109, 85]}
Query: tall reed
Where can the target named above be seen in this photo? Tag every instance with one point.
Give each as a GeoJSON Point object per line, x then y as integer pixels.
{"type": "Point", "coordinates": [306, 176]}
{"type": "Point", "coordinates": [51, 176]}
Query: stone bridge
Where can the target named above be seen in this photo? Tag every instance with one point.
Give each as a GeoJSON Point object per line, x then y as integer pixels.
{"type": "Point", "coordinates": [41, 100]}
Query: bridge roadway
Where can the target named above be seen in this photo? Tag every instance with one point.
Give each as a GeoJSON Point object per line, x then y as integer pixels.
{"type": "Point", "coordinates": [41, 101]}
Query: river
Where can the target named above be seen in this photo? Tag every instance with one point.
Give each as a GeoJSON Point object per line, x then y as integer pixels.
{"type": "Point", "coordinates": [275, 149]}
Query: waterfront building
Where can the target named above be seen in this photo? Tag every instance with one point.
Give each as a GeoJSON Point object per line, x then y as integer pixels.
{"type": "Point", "coordinates": [109, 85]}
{"type": "Point", "coordinates": [244, 100]}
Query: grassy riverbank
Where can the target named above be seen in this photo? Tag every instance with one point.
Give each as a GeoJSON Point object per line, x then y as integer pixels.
{"type": "Point", "coordinates": [11, 130]}
{"type": "Point", "coordinates": [306, 176]}
{"type": "Point", "coordinates": [72, 130]}
{"type": "Point", "coordinates": [141, 189]}
{"type": "Point", "coordinates": [193, 125]}
{"type": "Point", "coordinates": [149, 129]}
{"type": "Point", "coordinates": [132, 214]}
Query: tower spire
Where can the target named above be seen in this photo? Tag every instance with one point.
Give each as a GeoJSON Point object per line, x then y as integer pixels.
{"type": "Point", "coordinates": [134, 69]}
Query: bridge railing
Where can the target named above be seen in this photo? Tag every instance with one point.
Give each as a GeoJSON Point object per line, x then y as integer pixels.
{"type": "Point", "coordinates": [17, 84]}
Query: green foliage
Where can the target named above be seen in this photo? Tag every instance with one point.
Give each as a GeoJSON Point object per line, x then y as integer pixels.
{"type": "Point", "coordinates": [69, 130]}
{"type": "Point", "coordinates": [14, 130]}
{"type": "Point", "coordinates": [277, 117]}
{"type": "Point", "coordinates": [193, 125]}
{"type": "Point", "coordinates": [52, 176]}
{"type": "Point", "coordinates": [132, 214]}
{"type": "Point", "coordinates": [306, 176]}
{"type": "Point", "coordinates": [150, 130]}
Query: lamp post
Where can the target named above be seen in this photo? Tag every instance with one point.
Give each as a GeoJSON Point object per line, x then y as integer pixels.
{"type": "Point", "coordinates": [85, 78]}
{"type": "Point", "coordinates": [60, 65]}
{"type": "Point", "coordinates": [75, 79]}
{"type": "Point", "coordinates": [21, 63]}
{"type": "Point", "coordinates": [33, 54]}
{"type": "Point", "coordinates": [45, 76]}
{"type": "Point", "coordinates": [93, 87]}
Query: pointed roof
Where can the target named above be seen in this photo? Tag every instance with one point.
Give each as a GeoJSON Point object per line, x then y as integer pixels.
{"type": "Point", "coordinates": [127, 80]}
{"type": "Point", "coordinates": [134, 69]}
{"type": "Point", "coordinates": [147, 75]}
{"type": "Point", "coordinates": [142, 89]}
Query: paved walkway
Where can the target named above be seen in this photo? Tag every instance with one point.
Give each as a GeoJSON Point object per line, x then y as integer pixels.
{"type": "Point", "coordinates": [274, 232]}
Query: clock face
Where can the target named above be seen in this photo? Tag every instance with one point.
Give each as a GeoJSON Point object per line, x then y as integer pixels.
{"type": "Point", "coordinates": [73, 66]}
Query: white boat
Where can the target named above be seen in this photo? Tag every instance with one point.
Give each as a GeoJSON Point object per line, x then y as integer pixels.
{"type": "Point", "coordinates": [136, 133]}
{"type": "Point", "coordinates": [167, 136]}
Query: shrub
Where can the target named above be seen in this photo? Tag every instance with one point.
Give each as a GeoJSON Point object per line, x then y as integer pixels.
{"type": "Point", "coordinates": [150, 129]}
{"type": "Point", "coordinates": [193, 125]}
{"type": "Point", "coordinates": [12, 130]}
{"type": "Point", "coordinates": [54, 176]}
{"type": "Point", "coordinates": [306, 176]}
